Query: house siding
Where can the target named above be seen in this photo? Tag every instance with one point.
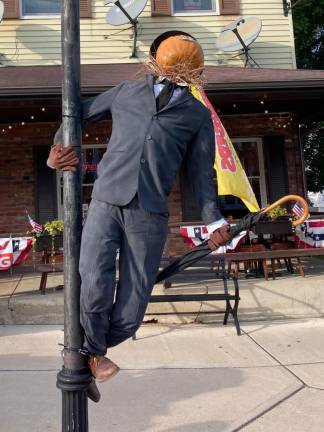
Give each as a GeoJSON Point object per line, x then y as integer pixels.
{"type": "Point", "coordinates": [37, 41]}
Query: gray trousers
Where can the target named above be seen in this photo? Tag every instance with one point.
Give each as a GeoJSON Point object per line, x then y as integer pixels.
{"type": "Point", "coordinates": [109, 313]}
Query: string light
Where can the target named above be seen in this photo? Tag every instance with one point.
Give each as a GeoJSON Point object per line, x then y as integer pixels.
{"type": "Point", "coordinates": [262, 102]}
{"type": "Point", "coordinates": [22, 123]}
{"type": "Point", "coordinates": [32, 117]}
{"type": "Point", "coordinates": [9, 127]}
{"type": "Point", "coordinates": [43, 109]}
{"type": "Point", "coordinates": [234, 105]}
{"type": "Point", "coordinates": [86, 135]}
{"type": "Point", "coordinates": [97, 139]}
{"type": "Point", "coordinates": [266, 112]}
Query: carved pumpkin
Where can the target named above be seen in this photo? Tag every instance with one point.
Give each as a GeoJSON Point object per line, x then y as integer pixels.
{"type": "Point", "coordinates": [180, 51]}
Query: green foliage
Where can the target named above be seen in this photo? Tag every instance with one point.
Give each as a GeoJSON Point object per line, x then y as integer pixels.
{"type": "Point", "coordinates": [54, 227]}
{"type": "Point", "coordinates": [276, 212]}
{"type": "Point", "coordinates": [313, 138]}
{"type": "Point", "coordinates": [308, 18]}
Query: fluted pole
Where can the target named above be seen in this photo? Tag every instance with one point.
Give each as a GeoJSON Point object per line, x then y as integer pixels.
{"type": "Point", "coordinates": [74, 378]}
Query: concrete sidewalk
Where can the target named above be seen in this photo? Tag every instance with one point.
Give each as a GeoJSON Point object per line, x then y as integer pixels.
{"type": "Point", "coordinates": [186, 378]}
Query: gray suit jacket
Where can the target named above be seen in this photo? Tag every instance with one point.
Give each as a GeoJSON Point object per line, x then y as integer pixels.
{"type": "Point", "coordinates": [146, 148]}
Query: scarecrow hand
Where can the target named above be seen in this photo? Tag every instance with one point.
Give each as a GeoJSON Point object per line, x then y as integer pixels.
{"type": "Point", "coordinates": [220, 237]}
{"type": "Point", "coordinates": [62, 159]}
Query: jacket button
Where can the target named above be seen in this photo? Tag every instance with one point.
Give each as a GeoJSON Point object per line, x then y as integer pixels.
{"type": "Point", "coordinates": [143, 160]}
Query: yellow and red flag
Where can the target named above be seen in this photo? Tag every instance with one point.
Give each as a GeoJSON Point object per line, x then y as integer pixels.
{"type": "Point", "coordinates": [231, 177]}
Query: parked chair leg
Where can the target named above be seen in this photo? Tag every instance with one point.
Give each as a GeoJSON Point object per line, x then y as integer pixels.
{"type": "Point", "coordinates": [300, 267]}
{"type": "Point", "coordinates": [43, 281]}
{"type": "Point", "coordinates": [265, 269]}
{"type": "Point", "coordinates": [273, 268]}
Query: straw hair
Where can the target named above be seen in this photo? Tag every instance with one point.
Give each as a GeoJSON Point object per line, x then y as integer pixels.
{"type": "Point", "coordinates": [179, 73]}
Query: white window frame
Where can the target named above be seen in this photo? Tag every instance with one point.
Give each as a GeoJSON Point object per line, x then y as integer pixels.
{"type": "Point", "coordinates": [263, 188]}
{"type": "Point", "coordinates": [49, 16]}
{"type": "Point", "coordinates": [59, 176]}
{"type": "Point", "coordinates": [216, 10]}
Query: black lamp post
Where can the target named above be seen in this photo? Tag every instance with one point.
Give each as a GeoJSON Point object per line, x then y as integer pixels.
{"type": "Point", "coordinates": [74, 379]}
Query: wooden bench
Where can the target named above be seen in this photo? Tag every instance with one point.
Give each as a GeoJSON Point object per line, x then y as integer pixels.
{"type": "Point", "coordinates": [50, 264]}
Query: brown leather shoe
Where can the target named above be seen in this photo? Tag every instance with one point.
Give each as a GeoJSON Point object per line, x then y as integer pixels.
{"type": "Point", "coordinates": [102, 368]}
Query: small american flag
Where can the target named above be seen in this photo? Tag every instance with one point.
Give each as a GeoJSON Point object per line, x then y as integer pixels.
{"type": "Point", "coordinates": [37, 228]}
{"type": "Point", "coordinates": [298, 210]}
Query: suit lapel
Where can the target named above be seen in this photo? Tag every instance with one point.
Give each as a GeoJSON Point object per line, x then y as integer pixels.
{"type": "Point", "coordinates": [183, 97]}
{"type": "Point", "coordinates": [150, 88]}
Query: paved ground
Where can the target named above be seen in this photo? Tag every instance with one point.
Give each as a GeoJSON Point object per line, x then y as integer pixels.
{"type": "Point", "coordinates": [189, 378]}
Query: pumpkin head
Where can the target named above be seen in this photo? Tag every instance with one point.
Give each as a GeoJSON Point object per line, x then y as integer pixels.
{"type": "Point", "coordinates": [180, 53]}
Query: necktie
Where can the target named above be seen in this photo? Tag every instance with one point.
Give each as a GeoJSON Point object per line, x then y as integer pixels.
{"type": "Point", "coordinates": [165, 95]}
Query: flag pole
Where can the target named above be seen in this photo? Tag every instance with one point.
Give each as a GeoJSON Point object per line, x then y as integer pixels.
{"type": "Point", "coordinates": [74, 379]}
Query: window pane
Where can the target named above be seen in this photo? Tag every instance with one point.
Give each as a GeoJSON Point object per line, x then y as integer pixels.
{"type": "Point", "coordinates": [192, 5]}
{"type": "Point", "coordinates": [90, 159]}
{"type": "Point", "coordinates": [249, 157]}
{"type": "Point", "coordinates": [41, 7]}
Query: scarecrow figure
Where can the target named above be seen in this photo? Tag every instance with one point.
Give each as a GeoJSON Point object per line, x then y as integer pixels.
{"type": "Point", "coordinates": [157, 125]}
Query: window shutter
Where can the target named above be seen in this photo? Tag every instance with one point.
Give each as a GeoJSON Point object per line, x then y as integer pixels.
{"type": "Point", "coordinates": [229, 7]}
{"type": "Point", "coordinates": [276, 167]}
{"type": "Point", "coordinates": [161, 7]}
{"type": "Point", "coordinates": [45, 186]}
{"type": "Point", "coordinates": [11, 9]}
{"type": "Point", "coordinates": [85, 9]}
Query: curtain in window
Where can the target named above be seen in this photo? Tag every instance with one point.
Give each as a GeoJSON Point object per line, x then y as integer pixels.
{"type": "Point", "coordinates": [41, 7]}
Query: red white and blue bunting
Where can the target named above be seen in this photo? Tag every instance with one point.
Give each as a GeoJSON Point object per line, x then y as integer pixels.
{"type": "Point", "coordinates": [14, 251]}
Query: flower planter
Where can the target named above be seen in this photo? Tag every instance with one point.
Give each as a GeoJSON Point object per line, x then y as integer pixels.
{"type": "Point", "coordinates": [278, 226]}
{"type": "Point", "coordinates": [44, 242]}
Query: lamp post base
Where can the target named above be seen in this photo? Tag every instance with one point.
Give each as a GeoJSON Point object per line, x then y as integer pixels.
{"type": "Point", "coordinates": [77, 385]}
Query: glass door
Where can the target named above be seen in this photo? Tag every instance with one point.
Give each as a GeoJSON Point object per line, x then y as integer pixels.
{"type": "Point", "coordinates": [91, 156]}
{"type": "Point", "coordinates": [250, 153]}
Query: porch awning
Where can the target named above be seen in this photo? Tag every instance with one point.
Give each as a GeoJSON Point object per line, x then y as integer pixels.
{"type": "Point", "coordinates": [46, 80]}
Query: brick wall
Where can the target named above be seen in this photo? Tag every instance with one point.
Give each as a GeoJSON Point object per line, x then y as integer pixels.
{"type": "Point", "coordinates": [17, 176]}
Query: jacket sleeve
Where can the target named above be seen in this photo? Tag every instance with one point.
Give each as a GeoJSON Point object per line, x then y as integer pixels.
{"type": "Point", "coordinates": [94, 109]}
{"type": "Point", "coordinates": [200, 168]}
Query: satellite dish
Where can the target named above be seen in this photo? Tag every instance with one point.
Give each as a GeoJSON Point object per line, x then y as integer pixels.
{"type": "Point", "coordinates": [123, 12]}
{"type": "Point", "coordinates": [1, 10]}
{"type": "Point", "coordinates": [239, 35]}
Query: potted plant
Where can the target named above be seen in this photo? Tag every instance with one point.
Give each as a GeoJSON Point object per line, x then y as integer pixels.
{"type": "Point", "coordinates": [52, 237]}
{"type": "Point", "coordinates": [280, 223]}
